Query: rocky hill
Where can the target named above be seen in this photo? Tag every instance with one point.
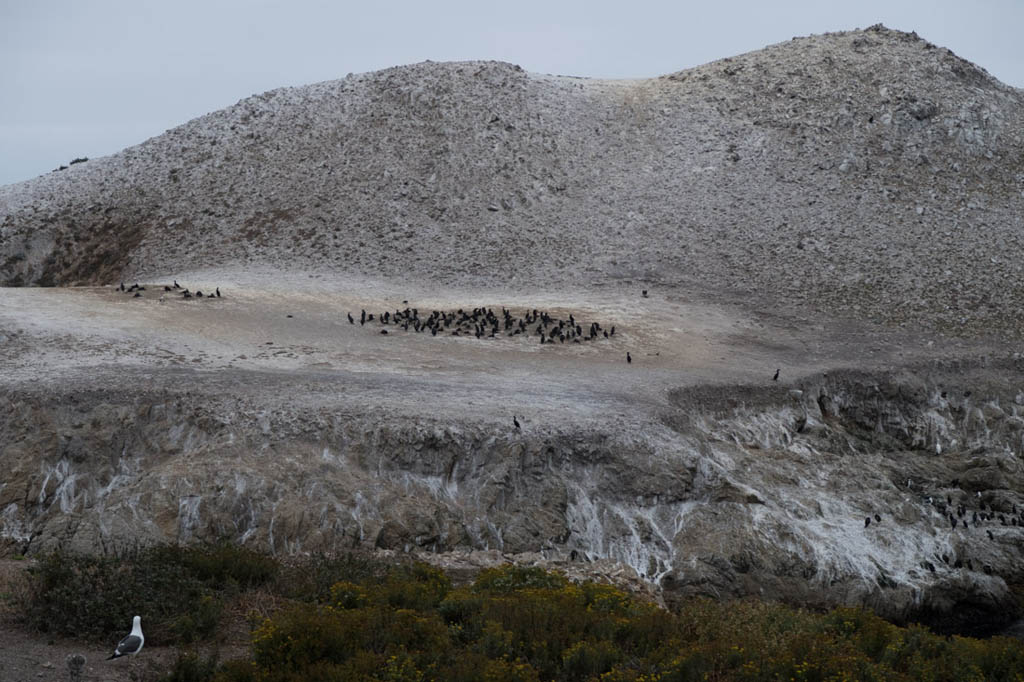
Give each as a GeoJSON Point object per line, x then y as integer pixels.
{"type": "Point", "coordinates": [806, 260]}
{"type": "Point", "coordinates": [862, 174]}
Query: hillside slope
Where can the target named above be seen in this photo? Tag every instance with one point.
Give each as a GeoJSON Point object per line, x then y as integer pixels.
{"type": "Point", "coordinates": [777, 416]}
{"type": "Point", "coordinates": [864, 174]}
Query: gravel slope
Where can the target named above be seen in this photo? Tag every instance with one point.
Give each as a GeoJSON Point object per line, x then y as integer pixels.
{"type": "Point", "coordinates": [866, 174]}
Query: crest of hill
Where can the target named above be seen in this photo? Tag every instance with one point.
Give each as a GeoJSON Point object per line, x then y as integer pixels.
{"type": "Point", "coordinates": [866, 174]}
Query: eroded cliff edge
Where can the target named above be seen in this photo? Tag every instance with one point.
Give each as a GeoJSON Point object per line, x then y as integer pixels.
{"type": "Point", "coordinates": [727, 491]}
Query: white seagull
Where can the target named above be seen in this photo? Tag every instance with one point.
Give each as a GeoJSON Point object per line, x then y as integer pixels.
{"type": "Point", "coordinates": [132, 644]}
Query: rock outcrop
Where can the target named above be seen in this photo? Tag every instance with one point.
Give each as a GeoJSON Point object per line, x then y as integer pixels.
{"type": "Point", "coordinates": [843, 495]}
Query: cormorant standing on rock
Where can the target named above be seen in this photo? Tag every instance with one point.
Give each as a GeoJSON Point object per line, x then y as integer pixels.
{"type": "Point", "coordinates": [878, 519]}
{"type": "Point", "coordinates": [776, 377]}
{"type": "Point", "coordinates": [122, 286]}
{"type": "Point", "coordinates": [176, 285]}
{"type": "Point", "coordinates": [166, 288]}
{"type": "Point", "coordinates": [629, 358]}
{"type": "Point", "coordinates": [516, 422]}
{"type": "Point", "coordinates": [867, 521]}
{"type": "Point", "coordinates": [644, 293]}
{"type": "Point", "coordinates": [350, 319]}
{"type": "Point", "coordinates": [218, 292]}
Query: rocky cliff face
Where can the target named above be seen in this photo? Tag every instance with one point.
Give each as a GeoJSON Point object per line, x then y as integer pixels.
{"type": "Point", "coordinates": [730, 491]}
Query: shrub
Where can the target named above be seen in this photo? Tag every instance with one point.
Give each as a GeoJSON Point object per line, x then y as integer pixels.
{"type": "Point", "coordinates": [420, 587]}
{"type": "Point", "coordinates": [199, 622]}
{"type": "Point", "coordinates": [405, 622]}
{"type": "Point", "coordinates": [223, 565]}
{"type": "Point", "coordinates": [96, 597]}
{"type": "Point", "coordinates": [177, 590]}
{"type": "Point", "coordinates": [191, 667]}
{"type": "Point", "coordinates": [511, 578]}
{"type": "Point", "coordinates": [311, 580]}
{"type": "Point", "coordinates": [584, 660]}
{"type": "Point", "coordinates": [346, 595]}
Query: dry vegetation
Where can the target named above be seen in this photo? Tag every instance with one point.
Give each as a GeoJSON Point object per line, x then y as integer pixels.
{"type": "Point", "coordinates": [354, 618]}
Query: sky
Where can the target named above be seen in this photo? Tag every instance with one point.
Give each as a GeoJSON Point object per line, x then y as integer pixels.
{"type": "Point", "coordinates": [91, 77]}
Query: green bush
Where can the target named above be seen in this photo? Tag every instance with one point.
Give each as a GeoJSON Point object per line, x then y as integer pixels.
{"type": "Point", "coordinates": [346, 595]}
{"type": "Point", "coordinates": [96, 597]}
{"type": "Point", "coordinates": [311, 580]}
{"type": "Point", "coordinates": [177, 590]}
{"type": "Point", "coordinates": [198, 622]}
{"type": "Point", "coordinates": [406, 622]}
{"type": "Point", "coordinates": [223, 565]}
{"type": "Point", "coordinates": [189, 666]}
{"type": "Point", "coordinates": [419, 586]}
{"type": "Point", "coordinates": [525, 624]}
{"type": "Point", "coordinates": [512, 578]}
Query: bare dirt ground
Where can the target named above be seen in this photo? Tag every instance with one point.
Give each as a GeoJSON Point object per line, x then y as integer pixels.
{"type": "Point", "coordinates": [271, 322]}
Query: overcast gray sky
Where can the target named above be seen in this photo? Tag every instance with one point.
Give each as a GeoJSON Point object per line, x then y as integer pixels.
{"type": "Point", "coordinates": [91, 77]}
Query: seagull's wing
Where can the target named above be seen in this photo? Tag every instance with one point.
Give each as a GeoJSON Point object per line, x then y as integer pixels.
{"type": "Point", "coordinates": [129, 645]}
